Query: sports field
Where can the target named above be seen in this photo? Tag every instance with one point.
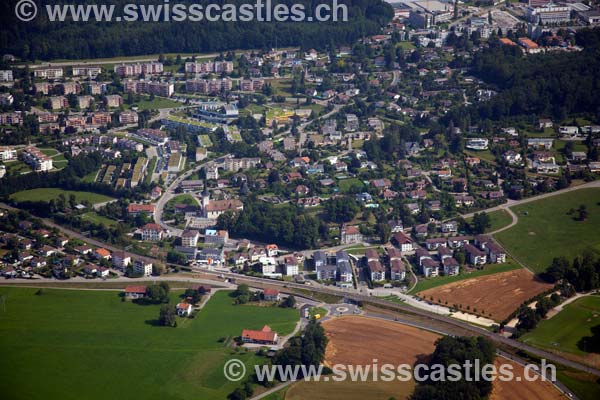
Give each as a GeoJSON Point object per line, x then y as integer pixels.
{"type": "Point", "coordinates": [565, 330]}
{"type": "Point", "coordinates": [73, 344]}
{"type": "Point", "coordinates": [47, 194]}
{"type": "Point", "coordinates": [545, 230]}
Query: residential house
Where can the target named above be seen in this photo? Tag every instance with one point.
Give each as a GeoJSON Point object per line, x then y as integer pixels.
{"type": "Point", "coordinates": [102, 254]}
{"type": "Point", "coordinates": [135, 292]}
{"type": "Point", "coordinates": [376, 270]}
{"type": "Point", "coordinates": [496, 254]}
{"type": "Point", "coordinates": [435, 243]}
{"type": "Point", "coordinates": [290, 265]}
{"type": "Point", "coordinates": [403, 241]}
{"type": "Point", "coordinates": [271, 295]}
{"type": "Point", "coordinates": [397, 270]}
{"type": "Point", "coordinates": [351, 234]}
{"type": "Point", "coordinates": [141, 267]}
{"type": "Point", "coordinates": [451, 266]}
{"type": "Point", "coordinates": [263, 336]}
{"type": "Point", "coordinates": [121, 260]}
{"type": "Point", "coordinates": [151, 232]}
{"type": "Point", "coordinates": [184, 309]}
{"type": "Point", "coordinates": [189, 238]}
{"type": "Point", "coordinates": [474, 255]}
{"type": "Point", "coordinates": [429, 267]}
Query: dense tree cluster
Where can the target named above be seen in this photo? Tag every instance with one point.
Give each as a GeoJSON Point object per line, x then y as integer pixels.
{"type": "Point", "coordinates": [66, 178]}
{"type": "Point", "coordinates": [552, 85]}
{"type": "Point", "coordinates": [341, 209]}
{"type": "Point", "coordinates": [583, 273]}
{"type": "Point", "coordinates": [308, 349]}
{"type": "Point", "coordinates": [458, 350]}
{"type": "Point", "coordinates": [158, 293]}
{"type": "Point", "coordinates": [285, 225]}
{"type": "Point", "coordinates": [41, 39]}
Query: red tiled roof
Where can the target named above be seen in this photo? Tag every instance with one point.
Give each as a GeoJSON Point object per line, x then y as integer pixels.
{"type": "Point", "coordinates": [135, 208]}
{"type": "Point", "coordinates": [271, 292]}
{"type": "Point", "coordinates": [264, 335]}
{"type": "Point", "coordinates": [135, 289]}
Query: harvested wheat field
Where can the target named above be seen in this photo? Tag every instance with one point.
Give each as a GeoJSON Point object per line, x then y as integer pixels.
{"type": "Point", "coordinates": [524, 389]}
{"type": "Point", "coordinates": [349, 339]}
{"type": "Point", "coordinates": [493, 296]}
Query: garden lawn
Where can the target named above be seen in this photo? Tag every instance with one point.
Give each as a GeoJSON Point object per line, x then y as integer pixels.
{"type": "Point", "coordinates": [68, 344]}
{"type": "Point", "coordinates": [98, 219]}
{"type": "Point", "coordinates": [563, 331]}
{"type": "Point", "coordinates": [157, 103]}
{"type": "Point", "coordinates": [47, 194]}
{"type": "Point", "coordinates": [545, 231]}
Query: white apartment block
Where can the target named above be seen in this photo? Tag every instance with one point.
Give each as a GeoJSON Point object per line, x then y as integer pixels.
{"type": "Point", "coordinates": [37, 160]}
{"type": "Point", "coordinates": [209, 67]}
{"type": "Point", "coordinates": [153, 68]}
{"type": "Point", "coordinates": [6, 75]}
{"type": "Point", "coordinates": [48, 73]}
{"type": "Point", "coordinates": [90, 72]}
{"type": "Point", "coordinates": [7, 153]}
{"type": "Point", "coordinates": [142, 267]}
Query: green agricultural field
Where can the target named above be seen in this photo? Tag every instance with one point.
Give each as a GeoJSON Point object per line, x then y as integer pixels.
{"type": "Point", "coordinates": [545, 230]}
{"type": "Point", "coordinates": [564, 331]}
{"type": "Point", "coordinates": [428, 283]}
{"type": "Point", "coordinates": [47, 194]}
{"type": "Point", "coordinates": [68, 344]}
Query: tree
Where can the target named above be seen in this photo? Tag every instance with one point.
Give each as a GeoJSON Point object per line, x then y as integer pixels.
{"type": "Point", "coordinates": [167, 316]}
{"type": "Point", "coordinates": [159, 293]}
{"type": "Point", "coordinates": [194, 295]}
{"type": "Point", "coordinates": [241, 294]}
{"type": "Point", "coordinates": [384, 232]}
{"type": "Point", "coordinates": [582, 212]}
{"type": "Point", "coordinates": [341, 209]}
{"type": "Point", "coordinates": [481, 222]}
{"type": "Point", "coordinates": [289, 302]}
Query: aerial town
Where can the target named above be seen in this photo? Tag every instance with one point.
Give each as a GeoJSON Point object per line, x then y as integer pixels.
{"type": "Point", "coordinates": [439, 178]}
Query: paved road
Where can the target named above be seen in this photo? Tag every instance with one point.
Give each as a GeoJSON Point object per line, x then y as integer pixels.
{"type": "Point", "coordinates": [169, 193]}
{"type": "Point", "coordinates": [127, 60]}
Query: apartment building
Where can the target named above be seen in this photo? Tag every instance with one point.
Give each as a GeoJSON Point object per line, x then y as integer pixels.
{"type": "Point", "coordinates": [38, 161]}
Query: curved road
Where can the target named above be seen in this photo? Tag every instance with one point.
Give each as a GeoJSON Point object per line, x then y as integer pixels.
{"type": "Point", "coordinates": [169, 193]}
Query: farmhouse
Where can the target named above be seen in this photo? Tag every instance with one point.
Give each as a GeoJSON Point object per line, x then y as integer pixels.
{"type": "Point", "coordinates": [271, 295]}
{"type": "Point", "coordinates": [184, 309]}
{"type": "Point", "coordinates": [135, 292]}
{"type": "Point", "coordinates": [263, 336]}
